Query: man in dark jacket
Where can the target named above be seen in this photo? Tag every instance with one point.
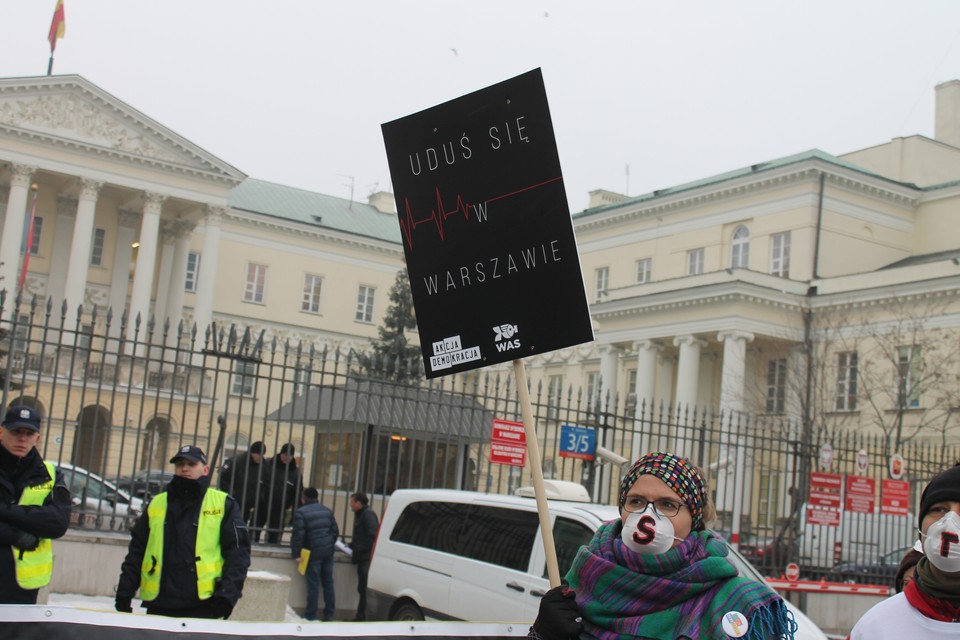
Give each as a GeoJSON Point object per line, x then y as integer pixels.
{"type": "Point", "coordinates": [282, 485]}
{"type": "Point", "coordinates": [241, 477]}
{"type": "Point", "coordinates": [365, 525]}
{"type": "Point", "coordinates": [34, 508]}
{"type": "Point", "coordinates": [315, 529]}
{"type": "Point", "coordinates": [189, 551]}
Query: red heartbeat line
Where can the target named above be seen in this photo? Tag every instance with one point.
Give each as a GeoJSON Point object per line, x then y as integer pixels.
{"type": "Point", "coordinates": [438, 216]}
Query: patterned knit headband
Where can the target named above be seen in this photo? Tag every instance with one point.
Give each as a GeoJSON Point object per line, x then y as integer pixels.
{"type": "Point", "coordinates": [677, 473]}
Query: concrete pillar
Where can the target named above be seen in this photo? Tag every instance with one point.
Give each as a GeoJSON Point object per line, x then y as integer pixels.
{"type": "Point", "coordinates": [688, 371]}
{"type": "Point", "coordinates": [182, 230]}
{"type": "Point", "coordinates": [609, 366]}
{"type": "Point", "coordinates": [207, 278]}
{"type": "Point", "coordinates": [644, 391]}
{"type": "Point", "coordinates": [60, 259]}
{"type": "Point", "coordinates": [732, 468]}
{"type": "Point", "coordinates": [13, 222]}
{"type": "Point", "coordinates": [127, 222]}
{"type": "Point", "coordinates": [146, 263]}
{"type": "Point", "coordinates": [79, 261]}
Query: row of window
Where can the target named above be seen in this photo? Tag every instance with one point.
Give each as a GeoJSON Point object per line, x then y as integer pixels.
{"type": "Point", "coordinates": [254, 284]}
{"type": "Point", "coordinates": [845, 399]}
{"type": "Point", "coordinates": [739, 259]}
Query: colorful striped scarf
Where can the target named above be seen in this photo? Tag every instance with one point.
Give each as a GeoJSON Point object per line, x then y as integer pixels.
{"type": "Point", "coordinates": [683, 593]}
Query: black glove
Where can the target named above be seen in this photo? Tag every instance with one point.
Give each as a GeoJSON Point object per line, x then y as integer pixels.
{"type": "Point", "coordinates": [123, 605]}
{"type": "Point", "coordinates": [26, 541]}
{"type": "Point", "coordinates": [221, 608]}
{"type": "Point", "coordinates": [559, 616]}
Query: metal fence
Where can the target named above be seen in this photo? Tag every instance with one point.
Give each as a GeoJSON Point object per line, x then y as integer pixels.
{"type": "Point", "coordinates": [120, 397]}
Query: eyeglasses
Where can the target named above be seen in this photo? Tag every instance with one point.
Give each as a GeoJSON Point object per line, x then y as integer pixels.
{"type": "Point", "coordinates": [662, 506]}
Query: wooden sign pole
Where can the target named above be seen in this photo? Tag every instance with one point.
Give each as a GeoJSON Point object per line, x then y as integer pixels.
{"type": "Point", "coordinates": [536, 470]}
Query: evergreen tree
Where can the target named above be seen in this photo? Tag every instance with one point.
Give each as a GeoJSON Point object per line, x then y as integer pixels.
{"type": "Point", "coordinates": [393, 357]}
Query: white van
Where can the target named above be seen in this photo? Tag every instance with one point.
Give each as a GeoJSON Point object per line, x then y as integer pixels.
{"type": "Point", "coordinates": [459, 555]}
{"type": "Point", "coordinates": [860, 538]}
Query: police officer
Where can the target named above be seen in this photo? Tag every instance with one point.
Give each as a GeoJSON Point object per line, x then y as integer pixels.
{"type": "Point", "coordinates": [34, 508]}
{"type": "Point", "coordinates": [189, 551]}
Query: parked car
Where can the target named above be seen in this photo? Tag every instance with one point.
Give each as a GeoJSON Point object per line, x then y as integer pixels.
{"type": "Point", "coordinates": [880, 570]}
{"type": "Point", "coordinates": [145, 483]}
{"type": "Point", "coordinates": [99, 503]}
{"type": "Point", "coordinates": [461, 555]}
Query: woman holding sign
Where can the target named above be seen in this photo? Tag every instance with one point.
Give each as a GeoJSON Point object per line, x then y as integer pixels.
{"type": "Point", "coordinates": [656, 572]}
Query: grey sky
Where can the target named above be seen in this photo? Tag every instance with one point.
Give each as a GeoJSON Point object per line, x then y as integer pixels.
{"type": "Point", "coordinates": [294, 91]}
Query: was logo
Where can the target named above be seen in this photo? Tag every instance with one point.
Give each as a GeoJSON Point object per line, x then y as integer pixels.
{"type": "Point", "coordinates": [504, 333]}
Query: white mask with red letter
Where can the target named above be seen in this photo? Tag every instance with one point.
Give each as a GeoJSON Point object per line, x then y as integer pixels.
{"type": "Point", "coordinates": [647, 532]}
{"type": "Point", "coordinates": [942, 543]}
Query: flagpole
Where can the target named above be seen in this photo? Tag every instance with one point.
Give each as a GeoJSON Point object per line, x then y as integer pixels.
{"type": "Point", "coordinates": [50, 64]}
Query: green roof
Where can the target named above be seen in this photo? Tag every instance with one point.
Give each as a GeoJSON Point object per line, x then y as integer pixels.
{"type": "Point", "coordinates": [314, 209]}
{"type": "Point", "coordinates": [813, 154]}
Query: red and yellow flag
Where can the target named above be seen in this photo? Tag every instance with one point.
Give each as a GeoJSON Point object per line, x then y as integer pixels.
{"type": "Point", "coordinates": [57, 26]}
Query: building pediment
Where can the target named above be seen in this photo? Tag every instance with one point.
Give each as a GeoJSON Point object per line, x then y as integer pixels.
{"type": "Point", "coordinates": [71, 112]}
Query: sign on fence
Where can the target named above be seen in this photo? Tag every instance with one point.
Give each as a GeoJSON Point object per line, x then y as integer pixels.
{"type": "Point", "coordinates": [894, 497]}
{"type": "Point", "coordinates": [824, 504]}
{"type": "Point", "coordinates": [508, 443]}
{"type": "Point", "coordinates": [861, 494]}
{"type": "Point", "coordinates": [486, 228]}
{"type": "Point", "coordinates": [578, 442]}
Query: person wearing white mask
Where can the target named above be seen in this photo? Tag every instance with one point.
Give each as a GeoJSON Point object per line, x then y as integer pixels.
{"type": "Point", "coordinates": [929, 606]}
{"type": "Point", "coordinates": [657, 572]}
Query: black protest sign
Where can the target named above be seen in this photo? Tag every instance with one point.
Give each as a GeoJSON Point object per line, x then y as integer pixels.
{"type": "Point", "coordinates": [486, 230]}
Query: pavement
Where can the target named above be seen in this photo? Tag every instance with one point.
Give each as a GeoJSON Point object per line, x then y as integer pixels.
{"type": "Point", "coordinates": [105, 603]}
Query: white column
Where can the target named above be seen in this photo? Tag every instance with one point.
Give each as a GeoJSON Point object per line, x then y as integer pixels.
{"type": "Point", "coordinates": [13, 229]}
{"type": "Point", "coordinates": [164, 270]}
{"type": "Point", "coordinates": [60, 259]}
{"type": "Point", "coordinates": [609, 365]}
{"type": "Point", "coordinates": [76, 286]}
{"type": "Point", "coordinates": [734, 369]}
{"type": "Point", "coordinates": [731, 469]}
{"type": "Point", "coordinates": [644, 391]}
{"type": "Point", "coordinates": [182, 231]}
{"type": "Point", "coordinates": [207, 279]}
{"type": "Point", "coordinates": [127, 222]}
{"type": "Point", "coordinates": [146, 263]}
{"type": "Point", "coordinates": [688, 371]}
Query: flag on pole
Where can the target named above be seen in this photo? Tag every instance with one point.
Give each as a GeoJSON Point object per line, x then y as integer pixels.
{"type": "Point", "coordinates": [26, 255]}
{"type": "Point", "coordinates": [57, 26]}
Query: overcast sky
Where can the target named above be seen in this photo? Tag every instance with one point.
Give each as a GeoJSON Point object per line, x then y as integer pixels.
{"type": "Point", "coordinates": [295, 91]}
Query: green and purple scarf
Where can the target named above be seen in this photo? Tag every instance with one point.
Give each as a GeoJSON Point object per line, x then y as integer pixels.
{"type": "Point", "coordinates": [683, 593]}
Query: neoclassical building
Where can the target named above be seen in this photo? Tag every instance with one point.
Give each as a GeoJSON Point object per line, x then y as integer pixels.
{"type": "Point", "coordinates": [714, 293]}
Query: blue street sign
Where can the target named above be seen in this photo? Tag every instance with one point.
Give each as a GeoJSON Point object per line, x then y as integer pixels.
{"type": "Point", "coordinates": [578, 442]}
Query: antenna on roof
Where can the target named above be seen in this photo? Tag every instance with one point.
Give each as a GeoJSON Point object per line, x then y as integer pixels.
{"type": "Point", "coordinates": [351, 189]}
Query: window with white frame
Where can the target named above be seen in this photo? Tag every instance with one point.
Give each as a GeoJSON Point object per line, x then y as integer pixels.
{"type": "Point", "coordinates": [593, 390]}
{"type": "Point", "coordinates": [695, 262]}
{"type": "Point", "coordinates": [96, 247]}
{"type": "Point", "coordinates": [256, 283]}
{"type": "Point", "coordinates": [740, 248]}
{"type": "Point", "coordinates": [35, 239]}
{"type": "Point", "coordinates": [780, 254]}
{"type": "Point", "coordinates": [846, 381]}
{"type": "Point", "coordinates": [631, 405]}
{"type": "Point", "coordinates": [776, 385]}
{"type": "Point", "coordinates": [244, 380]}
{"type": "Point", "coordinates": [365, 303]}
{"type": "Point", "coordinates": [311, 293]}
{"type": "Point", "coordinates": [601, 281]}
{"type": "Point", "coordinates": [554, 392]}
{"type": "Point", "coordinates": [643, 270]}
{"type": "Point", "coordinates": [908, 377]}
{"type": "Point", "coordinates": [193, 272]}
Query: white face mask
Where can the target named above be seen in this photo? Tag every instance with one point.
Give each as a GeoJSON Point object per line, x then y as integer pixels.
{"type": "Point", "coordinates": [648, 533]}
{"type": "Point", "coordinates": [941, 543]}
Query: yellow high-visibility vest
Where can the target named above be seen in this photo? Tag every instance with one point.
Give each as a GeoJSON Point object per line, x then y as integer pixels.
{"type": "Point", "coordinates": [35, 568]}
{"type": "Point", "coordinates": [208, 554]}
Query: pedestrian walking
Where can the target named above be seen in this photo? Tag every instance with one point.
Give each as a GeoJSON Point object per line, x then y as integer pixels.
{"type": "Point", "coordinates": [189, 551]}
{"type": "Point", "coordinates": [315, 530]}
{"type": "Point", "coordinates": [365, 524]}
{"type": "Point", "coordinates": [34, 508]}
